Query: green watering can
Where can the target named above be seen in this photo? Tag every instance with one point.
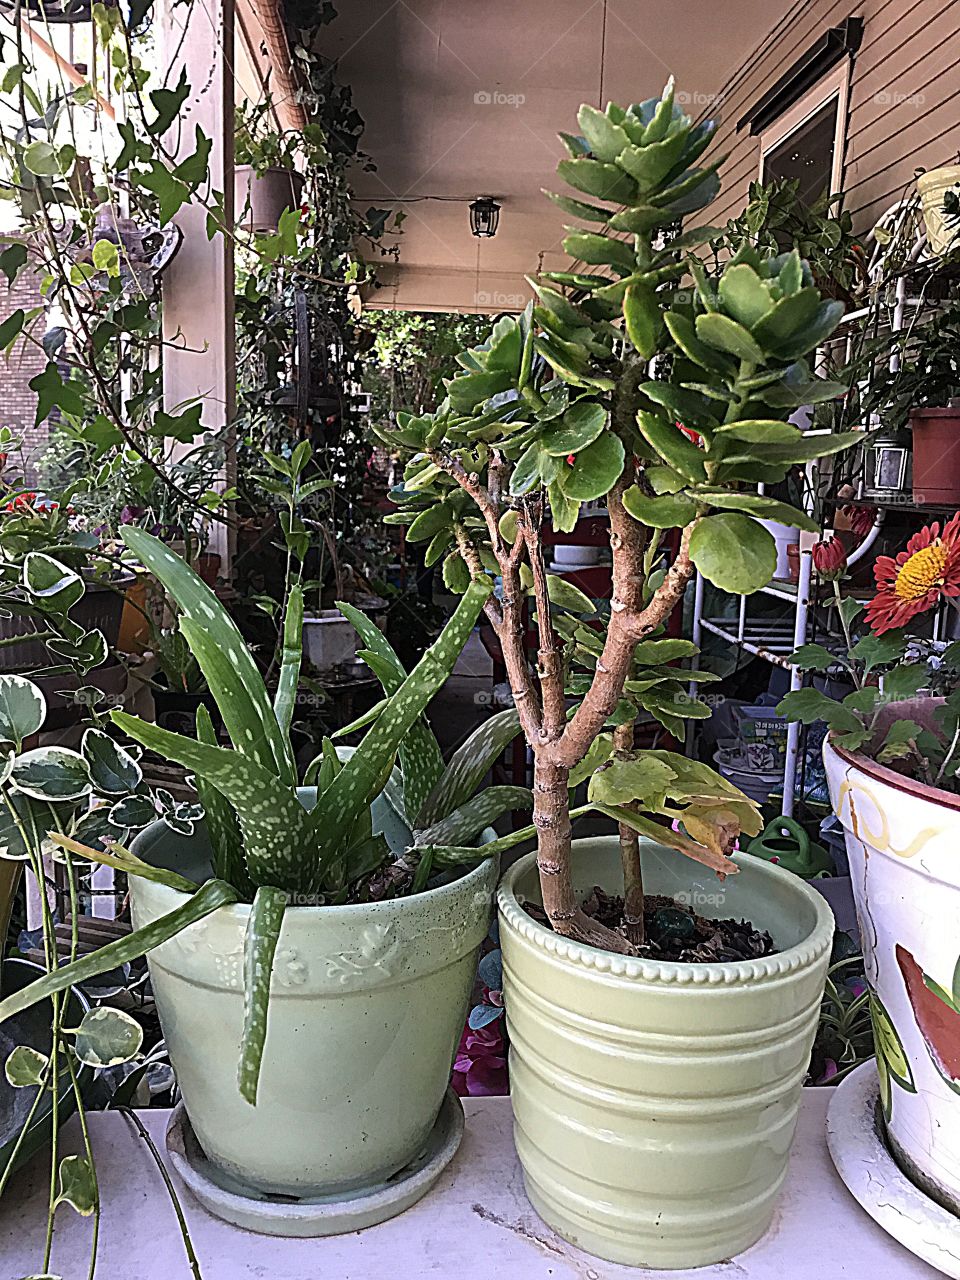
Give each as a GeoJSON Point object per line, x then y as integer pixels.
{"type": "Point", "coordinates": [785, 842]}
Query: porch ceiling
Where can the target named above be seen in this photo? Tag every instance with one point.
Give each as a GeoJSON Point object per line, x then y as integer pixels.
{"type": "Point", "coordinates": [464, 99]}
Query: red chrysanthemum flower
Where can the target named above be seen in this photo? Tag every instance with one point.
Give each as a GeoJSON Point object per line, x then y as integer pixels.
{"type": "Point", "coordinates": [917, 579]}
{"type": "Point", "coordinates": [862, 519]}
{"type": "Point", "coordinates": [829, 559]}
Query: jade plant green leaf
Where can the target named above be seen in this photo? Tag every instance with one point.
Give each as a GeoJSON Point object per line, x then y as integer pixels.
{"type": "Point", "coordinates": [734, 552]}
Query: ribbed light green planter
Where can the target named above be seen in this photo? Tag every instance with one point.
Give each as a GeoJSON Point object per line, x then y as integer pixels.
{"type": "Point", "coordinates": [655, 1104]}
{"type": "Point", "coordinates": [367, 1005]}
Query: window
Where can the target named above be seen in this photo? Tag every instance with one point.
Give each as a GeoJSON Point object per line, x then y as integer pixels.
{"type": "Point", "coordinates": [806, 142]}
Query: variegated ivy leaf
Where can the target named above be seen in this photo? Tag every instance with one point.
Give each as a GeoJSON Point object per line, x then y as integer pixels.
{"type": "Point", "coordinates": [51, 773]}
{"type": "Point", "coordinates": [112, 771]}
{"type": "Point", "coordinates": [50, 581]}
{"type": "Point", "coordinates": [78, 1187]}
{"type": "Point", "coordinates": [22, 708]}
{"type": "Point", "coordinates": [107, 1037]}
{"type": "Point", "coordinates": [133, 812]}
{"type": "Point", "coordinates": [25, 1067]}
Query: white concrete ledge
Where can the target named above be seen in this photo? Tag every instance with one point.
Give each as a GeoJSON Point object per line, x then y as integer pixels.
{"type": "Point", "coordinates": [475, 1225]}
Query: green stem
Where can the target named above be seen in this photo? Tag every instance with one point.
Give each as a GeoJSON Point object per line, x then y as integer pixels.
{"type": "Point", "coordinates": [171, 1189]}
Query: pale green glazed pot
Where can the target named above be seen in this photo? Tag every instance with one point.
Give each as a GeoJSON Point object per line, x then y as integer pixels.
{"type": "Point", "coordinates": [367, 1005]}
{"type": "Point", "coordinates": [655, 1103]}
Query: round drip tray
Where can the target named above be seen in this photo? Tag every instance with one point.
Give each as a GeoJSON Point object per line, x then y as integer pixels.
{"type": "Point", "coordinates": [331, 1215]}
{"type": "Point", "coordinates": [859, 1150]}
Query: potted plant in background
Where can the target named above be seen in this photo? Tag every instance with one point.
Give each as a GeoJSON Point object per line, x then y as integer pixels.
{"type": "Point", "coordinates": [316, 913]}
{"type": "Point", "coordinates": [892, 762]}
{"type": "Point", "coordinates": [938, 189]}
{"type": "Point", "coordinates": [923, 392]}
{"type": "Point", "coordinates": [265, 179]}
{"type": "Point", "coordinates": [647, 1135]}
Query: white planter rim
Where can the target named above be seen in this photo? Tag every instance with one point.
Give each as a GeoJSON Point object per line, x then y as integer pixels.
{"type": "Point", "coordinates": [880, 773]}
{"type": "Point", "coordinates": [675, 972]}
{"type": "Point", "coordinates": [388, 909]}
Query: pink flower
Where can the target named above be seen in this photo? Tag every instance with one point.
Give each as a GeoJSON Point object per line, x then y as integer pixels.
{"type": "Point", "coordinates": [480, 1067]}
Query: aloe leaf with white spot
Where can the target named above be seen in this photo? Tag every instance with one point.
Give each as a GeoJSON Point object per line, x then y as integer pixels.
{"type": "Point", "coordinates": [322, 769]}
{"type": "Point", "coordinates": [259, 948]}
{"type": "Point", "coordinates": [473, 816]}
{"type": "Point", "coordinates": [362, 777]}
{"type": "Point", "coordinates": [421, 760]}
{"type": "Point", "coordinates": [222, 654]}
{"type": "Point", "coordinates": [208, 898]}
{"type": "Point", "coordinates": [467, 767]}
{"type": "Point", "coordinates": [280, 845]}
{"type": "Point", "coordinates": [290, 661]}
{"type": "Point", "coordinates": [226, 842]}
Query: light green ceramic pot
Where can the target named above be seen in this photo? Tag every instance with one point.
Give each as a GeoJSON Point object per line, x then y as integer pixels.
{"type": "Point", "coordinates": [655, 1103]}
{"type": "Point", "coordinates": [367, 1005]}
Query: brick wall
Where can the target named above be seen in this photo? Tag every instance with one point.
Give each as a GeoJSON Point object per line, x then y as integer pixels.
{"type": "Point", "coordinates": [18, 404]}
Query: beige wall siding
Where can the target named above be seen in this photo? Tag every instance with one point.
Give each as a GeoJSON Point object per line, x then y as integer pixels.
{"type": "Point", "coordinates": [904, 104]}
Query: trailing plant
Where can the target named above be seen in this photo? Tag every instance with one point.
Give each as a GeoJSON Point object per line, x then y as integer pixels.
{"type": "Point", "coordinates": [96, 794]}
{"type": "Point", "coordinates": [270, 847]}
{"type": "Point", "coordinates": [560, 407]}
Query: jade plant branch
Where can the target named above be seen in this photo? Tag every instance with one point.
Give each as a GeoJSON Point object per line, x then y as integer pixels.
{"type": "Point", "coordinates": [559, 744]}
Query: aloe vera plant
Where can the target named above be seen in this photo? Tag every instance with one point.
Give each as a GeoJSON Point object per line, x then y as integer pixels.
{"type": "Point", "coordinates": [270, 847]}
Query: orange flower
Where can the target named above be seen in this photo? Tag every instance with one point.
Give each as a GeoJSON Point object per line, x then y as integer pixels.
{"type": "Point", "coordinates": [917, 579]}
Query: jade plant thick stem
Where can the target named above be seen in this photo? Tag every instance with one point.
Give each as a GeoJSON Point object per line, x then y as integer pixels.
{"type": "Point", "coordinates": [639, 382]}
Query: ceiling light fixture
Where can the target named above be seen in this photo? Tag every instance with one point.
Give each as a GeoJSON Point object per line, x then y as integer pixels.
{"type": "Point", "coordinates": [484, 216]}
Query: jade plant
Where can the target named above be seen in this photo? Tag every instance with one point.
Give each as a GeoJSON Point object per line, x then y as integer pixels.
{"type": "Point", "coordinates": [639, 381]}
{"type": "Point", "coordinates": [274, 844]}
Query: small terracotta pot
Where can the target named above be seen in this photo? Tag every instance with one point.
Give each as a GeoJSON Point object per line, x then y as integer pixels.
{"type": "Point", "coordinates": [936, 455]}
